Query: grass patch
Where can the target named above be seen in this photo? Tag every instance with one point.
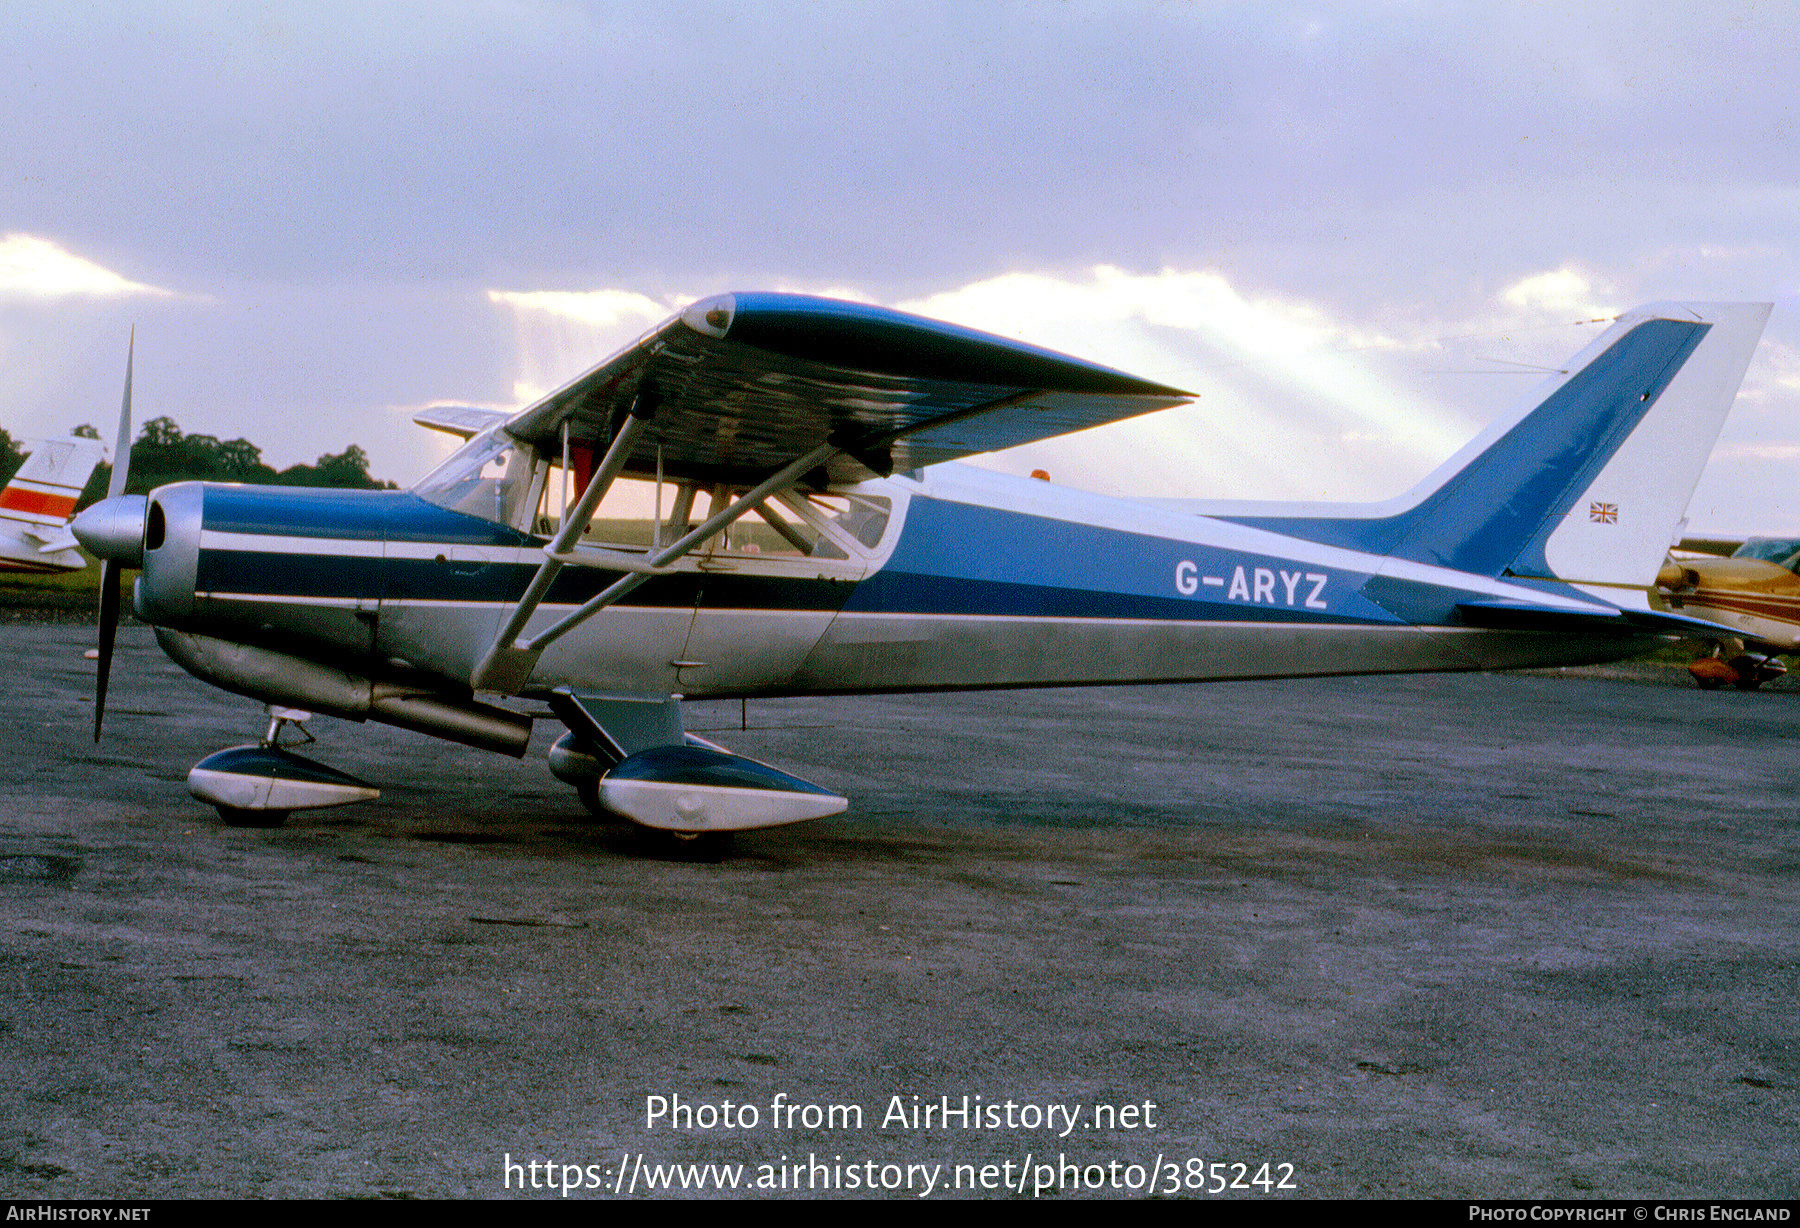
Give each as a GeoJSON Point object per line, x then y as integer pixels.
{"type": "Point", "coordinates": [1679, 653]}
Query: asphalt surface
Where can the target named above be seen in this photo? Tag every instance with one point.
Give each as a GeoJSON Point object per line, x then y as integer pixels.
{"type": "Point", "coordinates": [1482, 935]}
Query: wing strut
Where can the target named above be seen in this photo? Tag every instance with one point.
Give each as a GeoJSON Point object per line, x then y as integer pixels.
{"type": "Point", "coordinates": [509, 661]}
{"type": "Point", "coordinates": [558, 552]}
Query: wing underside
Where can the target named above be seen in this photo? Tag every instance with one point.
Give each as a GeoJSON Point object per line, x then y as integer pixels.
{"type": "Point", "coordinates": [739, 385]}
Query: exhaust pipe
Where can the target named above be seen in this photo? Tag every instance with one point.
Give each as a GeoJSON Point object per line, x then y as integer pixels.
{"type": "Point", "coordinates": [294, 682]}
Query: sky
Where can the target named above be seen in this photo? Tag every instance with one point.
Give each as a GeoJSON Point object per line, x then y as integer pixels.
{"type": "Point", "coordinates": [1357, 231]}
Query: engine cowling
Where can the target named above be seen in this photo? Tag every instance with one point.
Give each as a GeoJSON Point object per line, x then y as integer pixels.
{"type": "Point", "coordinates": [164, 595]}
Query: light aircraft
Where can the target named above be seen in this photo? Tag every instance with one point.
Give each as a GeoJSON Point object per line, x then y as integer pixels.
{"type": "Point", "coordinates": [559, 563]}
{"type": "Point", "coordinates": [1755, 593]}
{"type": "Point", "coordinates": [36, 505]}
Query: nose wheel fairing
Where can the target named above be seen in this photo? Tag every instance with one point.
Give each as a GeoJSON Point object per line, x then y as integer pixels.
{"type": "Point", "coordinates": [269, 781]}
{"type": "Point", "coordinates": [257, 785]}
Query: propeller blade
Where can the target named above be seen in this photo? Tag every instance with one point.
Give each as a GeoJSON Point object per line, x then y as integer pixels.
{"type": "Point", "coordinates": [109, 628]}
{"type": "Point", "coordinates": [109, 572]}
{"type": "Point", "coordinates": [122, 441]}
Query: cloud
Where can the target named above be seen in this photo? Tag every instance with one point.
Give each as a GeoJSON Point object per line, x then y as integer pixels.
{"type": "Point", "coordinates": [35, 268]}
{"type": "Point", "coordinates": [1293, 402]}
{"type": "Point", "coordinates": [1758, 451]}
{"type": "Point", "coordinates": [562, 333]}
{"type": "Point", "coordinates": [1198, 326]}
{"type": "Point", "coordinates": [1290, 405]}
{"type": "Point", "coordinates": [598, 308]}
{"type": "Point", "coordinates": [1559, 290]}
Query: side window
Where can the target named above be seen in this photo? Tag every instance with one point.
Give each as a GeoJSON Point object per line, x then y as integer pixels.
{"type": "Point", "coordinates": [638, 515]}
{"type": "Point", "coordinates": [864, 517]}
{"type": "Point", "coordinates": [626, 517]}
{"type": "Point", "coordinates": [777, 529]}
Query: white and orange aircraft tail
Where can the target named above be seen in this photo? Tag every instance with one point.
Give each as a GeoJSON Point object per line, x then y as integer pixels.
{"type": "Point", "coordinates": [36, 506]}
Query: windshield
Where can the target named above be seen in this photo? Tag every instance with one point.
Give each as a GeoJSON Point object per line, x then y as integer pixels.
{"type": "Point", "coordinates": [1782, 551]}
{"type": "Point", "coordinates": [490, 477]}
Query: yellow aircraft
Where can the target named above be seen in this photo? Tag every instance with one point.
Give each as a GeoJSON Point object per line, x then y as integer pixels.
{"type": "Point", "coordinates": [1755, 588]}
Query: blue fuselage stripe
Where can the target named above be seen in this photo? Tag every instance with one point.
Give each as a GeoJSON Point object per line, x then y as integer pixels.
{"type": "Point", "coordinates": [959, 558]}
{"type": "Point", "coordinates": [952, 559]}
{"type": "Point", "coordinates": [347, 515]}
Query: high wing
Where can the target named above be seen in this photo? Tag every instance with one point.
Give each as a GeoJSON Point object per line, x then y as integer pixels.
{"type": "Point", "coordinates": [1724, 547]}
{"type": "Point", "coordinates": [739, 385]}
{"type": "Point", "coordinates": [770, 391]}
{"type": "Point", "coordinates": [462, 421]}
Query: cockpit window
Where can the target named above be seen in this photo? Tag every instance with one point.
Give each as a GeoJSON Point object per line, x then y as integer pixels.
{"type": "Point", "coordinates": [1782, 551]}
{"type": "Point", "coordinates": [778, 528]}
{"type": "Point", "coordinates": [496, 478]}
{"type": "Point", "coordinates": [626, 516]}
{"type": "Point", "coordinates": [490, 477]}
{"type": "Point", "coordinates": [637, 514]}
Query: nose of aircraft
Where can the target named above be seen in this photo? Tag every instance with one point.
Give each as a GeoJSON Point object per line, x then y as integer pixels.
{"type": "Point", "coordinates": [113, 529]}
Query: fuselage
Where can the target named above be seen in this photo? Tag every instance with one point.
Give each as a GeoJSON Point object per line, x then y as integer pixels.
{"type": "Point", "coordinates": [975, 580]}
{"type": "Point", "coordinates": [1758, 597]}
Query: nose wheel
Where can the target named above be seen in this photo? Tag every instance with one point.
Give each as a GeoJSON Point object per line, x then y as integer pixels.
{"type": "Point", "coordinates": [232, 816]}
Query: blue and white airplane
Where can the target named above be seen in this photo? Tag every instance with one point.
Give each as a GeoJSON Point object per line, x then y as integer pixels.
{"type": "Point", "coordinates": [559, 564]}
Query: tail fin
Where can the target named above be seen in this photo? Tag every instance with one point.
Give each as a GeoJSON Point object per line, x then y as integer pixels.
{"type": "Point", "coordinates": [1588, 483]}
{"type": "Point", "coordinates": [44, 490]}
{"type": "Point", "coordinates": [36, 505]}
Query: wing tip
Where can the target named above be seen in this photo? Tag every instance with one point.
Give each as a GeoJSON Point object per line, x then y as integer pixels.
{"type": "Point", "coordinates": [845, 333]}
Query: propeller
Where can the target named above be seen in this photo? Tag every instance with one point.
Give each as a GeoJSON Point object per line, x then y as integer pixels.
{"type": "Point", "coordinates": [109, 572]}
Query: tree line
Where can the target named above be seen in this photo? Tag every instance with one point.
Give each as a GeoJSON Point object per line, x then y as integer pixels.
{"type": "Point", "coordinates": [163, 454]}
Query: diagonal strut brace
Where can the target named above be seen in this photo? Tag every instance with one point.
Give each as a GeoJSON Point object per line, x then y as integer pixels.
{"type": "Point", "coordinates": [509, 661]}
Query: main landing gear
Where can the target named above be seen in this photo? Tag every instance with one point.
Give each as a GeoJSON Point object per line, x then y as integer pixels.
{"type": "Point", "coordinates": [628, 756]}
{"type": "Point", "coordinates": [1746, 671]}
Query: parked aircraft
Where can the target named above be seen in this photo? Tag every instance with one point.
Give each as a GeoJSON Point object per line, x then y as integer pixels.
{"type": "Point", "coordinates": [1755, 592]}
{"type": "Point", "coordinates": [36, 505]}
{"type": "Point", "coordinates": [560, 563]}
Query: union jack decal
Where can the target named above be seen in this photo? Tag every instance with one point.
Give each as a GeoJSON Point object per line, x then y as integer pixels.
{"type": "Point", "coordinates": [1603, 513]}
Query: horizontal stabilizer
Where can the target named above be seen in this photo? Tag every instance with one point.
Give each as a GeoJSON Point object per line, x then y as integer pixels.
{"type": "Point", "coordinates": [1724, 547]}
{"type": "Point", "coordinates": [464, 422]}
{"type": "Point", "coordinates": [1524, 616]}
